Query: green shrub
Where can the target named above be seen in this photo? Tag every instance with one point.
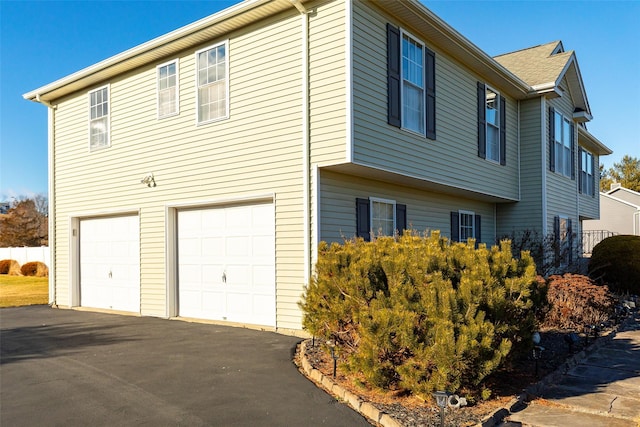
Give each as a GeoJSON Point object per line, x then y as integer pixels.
{"type": "Point", "coordinates": [418, 313]}
{"type": "Point", "coordinates": [575, 301]}
{"type": "Point", "coordinates": [615, 261]}
{"type": "Point", "coordinates": [35, 268]}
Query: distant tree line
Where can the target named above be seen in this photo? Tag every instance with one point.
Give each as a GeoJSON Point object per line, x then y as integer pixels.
{"type": "Point", "coordinates": [626, 173]}
{"type": "Point", "coordinates": [26, 223]}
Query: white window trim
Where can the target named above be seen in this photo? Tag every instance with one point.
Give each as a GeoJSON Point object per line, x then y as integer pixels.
{"type": "Point", "coordinates": [227, 53]}
{"type": "Point", "coordinates": [380, 200]}
{"type": "Point", "coordinates": [177, 112]}
{"type": "Point", "coordinates": [424, 86]}
{"type": "Point", "coordinates": [486, 123]}
{"type": "Point", "coordinates": [560, 166]}
{"type": "Point", "coordinates": [108, 87]}
{"type": "Point", "coordinates": [473, 224]}
{"type": "Point", "coordinates": [590, 178]}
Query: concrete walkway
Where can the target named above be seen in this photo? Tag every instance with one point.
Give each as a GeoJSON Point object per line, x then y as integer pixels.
{"type": "Point", "coordinates": [76, 368]}
{"type": "Point", "coordinates": [601, 390]}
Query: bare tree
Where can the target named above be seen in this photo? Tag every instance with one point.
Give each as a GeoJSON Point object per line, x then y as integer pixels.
{"type": "Point", "coordinates": [25, 224]}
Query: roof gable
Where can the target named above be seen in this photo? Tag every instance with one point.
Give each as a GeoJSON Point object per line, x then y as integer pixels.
{"type": "Point", "coordinates": [543, 67]}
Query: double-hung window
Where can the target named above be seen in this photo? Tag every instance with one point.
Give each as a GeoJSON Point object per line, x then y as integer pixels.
{"type": "Point", "coordinates": [492, 134]}
{"type": "Point", "coordinates": [99, 118]}
{"type": "Point", "coordinates": [168, 92]}
{"type": "Point", "coordinates": [382, 217]}
{"type": "Point", "coordinates": [465, 225]}
{"type": "Point", "coordinates": [213, 83]}
{"type": "Point", "coordinates": [561, 143]}
{"type": "Point", "coordinates": [413, 100]}
{"type": "Point", "coordinates": [587, 173]}
{"type": "Point", "coordinates": [411, 83]}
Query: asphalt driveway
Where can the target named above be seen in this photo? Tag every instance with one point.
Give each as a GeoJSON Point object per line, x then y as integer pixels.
{"type": "Point", "coordinates": [67, 368]}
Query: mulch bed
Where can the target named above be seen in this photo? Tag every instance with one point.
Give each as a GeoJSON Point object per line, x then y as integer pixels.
{"type": "Point", "coordinates": [505, 384]}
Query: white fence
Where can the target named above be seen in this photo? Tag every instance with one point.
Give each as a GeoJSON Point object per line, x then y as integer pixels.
{"type": "Point", "coordinates": [25, 255]}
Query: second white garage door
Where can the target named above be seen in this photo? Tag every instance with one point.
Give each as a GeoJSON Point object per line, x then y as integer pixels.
{"type": "Point", "coordinates": [226, 264]}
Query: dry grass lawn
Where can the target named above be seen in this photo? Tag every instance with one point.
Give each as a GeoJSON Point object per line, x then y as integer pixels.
{"type": "Point", "coordinates": [16, 291]}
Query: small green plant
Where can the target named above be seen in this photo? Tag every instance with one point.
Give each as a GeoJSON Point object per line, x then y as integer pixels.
{"type": "Point", "coordinates": [615, 261]}
{"type": "Point", "coordinates": [421, 313]}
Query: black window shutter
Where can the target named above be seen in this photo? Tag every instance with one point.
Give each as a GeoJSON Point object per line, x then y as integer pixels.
{"type": "Point", "coordinates": [430, 69]}
{"type": "Point", "coordinates": [581, 182]}
{"type": "Point", "coordinates": [556, 239]}
{"type": "Point", "coordinates": [570, 240]}
{"type": "Point", "coordinates": [573, 153]}
{"type": "Point", "coordinates": [401, 218]}
{"type": "Point", "coordinates": [455, 227]}
{"type": "Point", "coordinates": [503, 131]}
{"type": "Point", "coordinates": [478, 229]}
{"type": "Point", "coordinates": [552, 139]}
{"type": "Point", "coordinates": [482, 121]}
{"type": "Point", "coordinates": [594, 187]}
{"type": "Point", "coordinates": [393, 76]}
{"type": "Point", "coordinates": [362, 219]}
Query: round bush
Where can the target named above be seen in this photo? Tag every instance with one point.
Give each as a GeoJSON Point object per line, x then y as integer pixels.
{"type": "Point", "coordinates": [616, 262]}
{"type": "Point", "coordinates": [10, 267]}
{"type": "Point", "coordinates": [36, 268]}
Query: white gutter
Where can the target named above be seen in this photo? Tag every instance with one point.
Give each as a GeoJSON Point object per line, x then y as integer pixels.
{"type": "Point", "coordinates": [51, 115]}
{"type": "Point", "coordinates": [306, 160]}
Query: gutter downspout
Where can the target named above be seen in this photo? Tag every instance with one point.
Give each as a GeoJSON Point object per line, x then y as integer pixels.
{"type": "Point", "coordinates": [51, 109]}
{"type": "Point", "coordinates": [306, 158]}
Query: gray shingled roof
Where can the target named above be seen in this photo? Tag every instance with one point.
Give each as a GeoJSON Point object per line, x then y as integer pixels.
{"type": "Point", "coordinates": [536, 65]}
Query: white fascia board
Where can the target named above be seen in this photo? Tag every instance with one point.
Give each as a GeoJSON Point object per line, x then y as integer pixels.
{"type": "Point", "coordinates": [147, 47]}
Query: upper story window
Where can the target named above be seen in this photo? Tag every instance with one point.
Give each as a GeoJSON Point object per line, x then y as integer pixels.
{"type": "Point", "coordinates": [586, 181]}
{"type": "Point", "coordinates": [168, 92]}
{"type": "Point", "coordinates": [99, 118]}
{"type": "Point", "coordinates": [413, 99]}
{"type": "Point", "coordinates": [411, 82]}
{"type": "Point", "coordinates": [492, 133]}
{"type": "Point", "coordinates": [380, 216]}
{"type": "Point", "coordinates": [561, 144]}
{"type": "Point", "coordinates": [213, 83]}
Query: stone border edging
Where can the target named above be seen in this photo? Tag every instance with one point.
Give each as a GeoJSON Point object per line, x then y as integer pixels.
{"type": "Point", "coordinates": [533, 391]}
{"type": "Point", "coordinates": [366, 409]}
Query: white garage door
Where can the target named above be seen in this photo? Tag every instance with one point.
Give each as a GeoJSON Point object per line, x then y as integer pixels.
{"type": "Point", "coordinates": [226, 264]}
{"type": "Point", "coordinates": [110, 263]}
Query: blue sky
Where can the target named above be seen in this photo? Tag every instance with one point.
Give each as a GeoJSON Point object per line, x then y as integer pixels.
{"type": "Point", "coordinates": [42, 41]}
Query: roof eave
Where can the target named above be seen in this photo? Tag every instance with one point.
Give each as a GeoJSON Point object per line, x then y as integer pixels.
{"type": "Point", "coordinates": [592, 143]}
{"type": "Point", "coordinates": [146, 52]}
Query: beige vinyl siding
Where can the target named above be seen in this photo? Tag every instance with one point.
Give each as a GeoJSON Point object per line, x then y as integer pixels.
{"type": "Point", "coordinates": [452, 159]}
{"type": "Point", "coordinates": [562, 191]}
{"type": "Point", "coordinates": [527, 213]}
{"type": "Point", "coordinates": [327, 84]}
{"type": "Point", "coordinates": [590, 205]}
{"type": "Point", "coordinates": [426, 211]}
{"type": "Point", "coordinates": [257, 151]}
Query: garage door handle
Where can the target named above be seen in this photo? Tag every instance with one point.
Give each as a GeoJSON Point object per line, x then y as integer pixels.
{"type": "Point", "coordinates": [110, 275]}
{"type": "Point", "coordinates": [224, 277]}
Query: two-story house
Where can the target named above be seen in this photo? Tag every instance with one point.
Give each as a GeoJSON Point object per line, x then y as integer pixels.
{"type": "Point", "coordinates": [194, 175]}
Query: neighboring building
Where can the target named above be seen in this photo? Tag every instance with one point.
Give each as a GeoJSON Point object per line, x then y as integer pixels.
{"type": "Point", "coordinates": [619, 214]}
{"type": "Point", "coordinates": [4, 207]}
{"type": "Point", "coordinates": [194, 175]}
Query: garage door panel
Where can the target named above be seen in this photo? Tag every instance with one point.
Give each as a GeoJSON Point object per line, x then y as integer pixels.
{"type": "Point", "coordinates": [237, 258]}
{"type": "Point", "coordinates": [110, 263]}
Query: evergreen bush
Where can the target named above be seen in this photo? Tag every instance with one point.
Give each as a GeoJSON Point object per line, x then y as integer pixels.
{"type": "Point", "coordinates": [421, 313]}
{"type": "Point", "coordinates": [615, 261]}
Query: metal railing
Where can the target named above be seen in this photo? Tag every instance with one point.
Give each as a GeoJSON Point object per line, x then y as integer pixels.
{"type": "Point", "coordinates": [590, 238]}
